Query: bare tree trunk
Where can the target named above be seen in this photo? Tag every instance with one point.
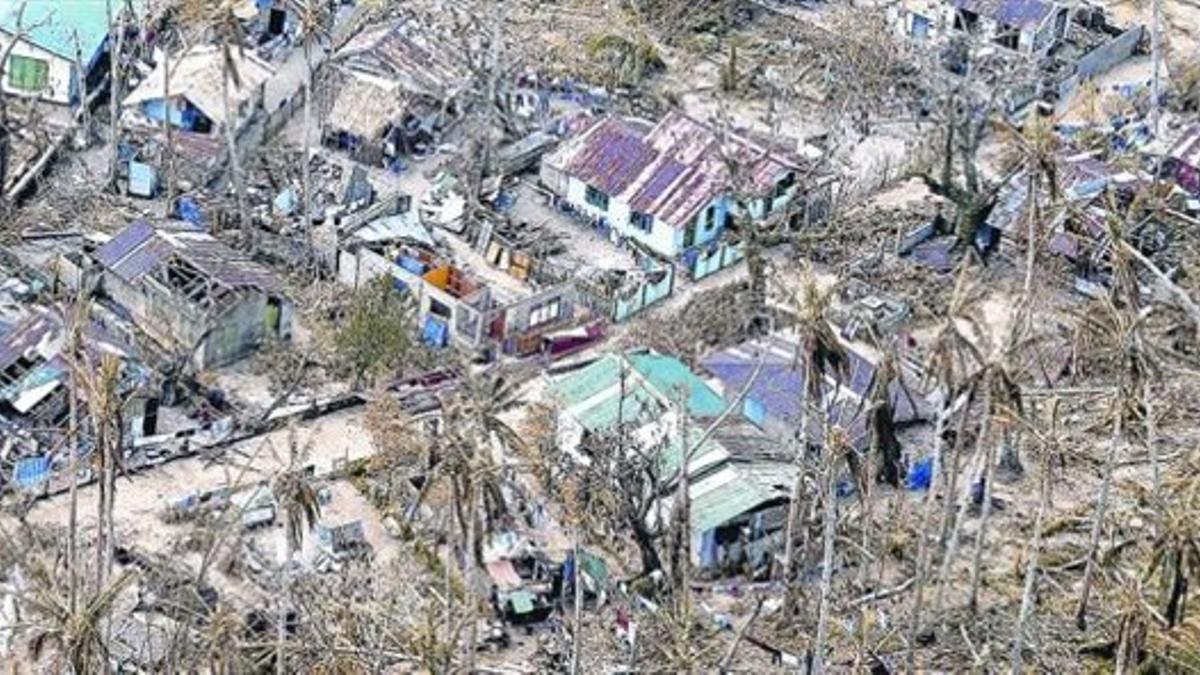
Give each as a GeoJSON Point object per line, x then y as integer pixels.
{"type": "Point", "coordinates": [985, 513]}
{"type": "Point", "coordinates": [981, 451]}
{"type": "Point", "coordinates": [305, 171]}
{"type": "Point", "coordinates": [577, 632]}
{"type": "Point", "coordinates": [85, 119]}
{"type": "Point", "coordinates": [235, 168]}
{"type": "Point", "coordinates": [469, 577]}
{"type": "Point", "coordinates": [830, 530]}
{"type": "Point", "coordinates": [114, 88]}
{"type": "Point", "coordinates": [789, 542]}
{"type": "Point", "coordinates": [1031, 571]}
{"type": "Point", "coordinates": [73, 462]}
{"type": "Point", "coordinates": [924, 553]}
{"type": "Point", "coordinates": [168, 133]}
{"type": "Point", "coordinates": [1110, 458]}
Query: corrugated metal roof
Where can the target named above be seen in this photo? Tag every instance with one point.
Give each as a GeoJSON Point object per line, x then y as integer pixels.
{"type": "Point", "coordinates": [670, 376]}
{"type": "Point", "coordinates": [781, 380]}
{"type": "Point", "coordinates": [592, 395]}
{"type": "Point", "coordinates": [671, 171]}
{"type": "Point", "coordinates": [728, 493]}
{"type": "Point", "coordinates": [412, 56]}
{"type": "Point", "coordinates": [1016, 13]}
{"type": "Point", "coordinates": [199, 77]}
{"type": "Point", "coordinates": [133, 254]}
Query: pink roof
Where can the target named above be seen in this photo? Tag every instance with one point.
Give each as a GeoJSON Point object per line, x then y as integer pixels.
{"type": "Point", "coordinates": [671, 171]}
{"type": "Point", "coordinates": [1187, 148]}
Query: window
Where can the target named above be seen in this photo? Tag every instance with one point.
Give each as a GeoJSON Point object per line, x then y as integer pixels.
{"type": "Point", "coordinates": [543, 313]}
{"type": "Point", "coordinates": [785, 184]}
{"type": "Point", "coordinates": [642, 221]}
{"type": "Point", "coordinates": [28, 74]}
{"type": "Point", "coordinates": [596, 198]}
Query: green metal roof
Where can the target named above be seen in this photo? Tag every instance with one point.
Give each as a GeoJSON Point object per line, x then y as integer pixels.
{"type": "Point", "coordinates": [669, 375]}
{"type": "Point", "coordinates": [727, 494]}
{"type": "Point", "coordinates": [56, 22]}
{"type": "Point", "coordinates": [651, 380]}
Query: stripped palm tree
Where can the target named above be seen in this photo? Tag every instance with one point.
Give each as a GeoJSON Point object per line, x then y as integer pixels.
{"type": "Point", "coordinates": [296, 498]}
{"type": "Point", "coordinates": [819, 354]}
{"type": "Point", "coordinates": [100, 389]}
{"type": "Point", "coordinates": [75, 637]}
{"type": "Point", "coordinates": [954, 366]}
{"type": "Point", "coordinates": [1113, 335]}
{"type": "Point", "coordinates": [313, 19]}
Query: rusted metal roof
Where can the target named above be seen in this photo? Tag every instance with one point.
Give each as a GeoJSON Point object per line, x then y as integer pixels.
{"type": "Point", "coordinates": [671, 171]}
{"type": "Point", "coordinates": [411, 56]}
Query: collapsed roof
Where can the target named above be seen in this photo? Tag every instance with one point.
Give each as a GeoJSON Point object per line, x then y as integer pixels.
{"type": "Point", "coordinates": [194, 265]}
{"type": "Point", "coordinates": [404, 54]}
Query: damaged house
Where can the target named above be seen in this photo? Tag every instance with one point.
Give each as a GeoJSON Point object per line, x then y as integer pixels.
{"type": "Point", "coordinates": [43, 63]}
{"type": "Point", "coordinates": [739, 478]}
{"type": "Point", "coordinates": [398, 84]}
{"type": "Point", "coordinates": [195, 106]}
{"type": "Point", "coordinates": [666, 186]}
{"type": "Point", "coordinates": [36, 382]}
{"type": "Point", "coordinates": [454, 306]}
{"type": "Point", "coordinates": [1071, 43]}
{"type": "Point", "coordinates": [193, 100]}
{"type": "Point", "coordinates": [192, 294]}
{"type": "Point", "coordinates": [1030, 27]}
{"type": "Point", "coordinates": [1092, 189]}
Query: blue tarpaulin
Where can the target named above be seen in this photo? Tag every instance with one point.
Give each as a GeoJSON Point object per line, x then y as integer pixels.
{"type": "Point", "coordinates": [32, 471]}
{"type": "Point", "coordinates": [411, 264]}
{"type": "Point", "coordinates": [920, 476]}
{"type": "Point", "coordinates": [189, 210]}
{"type": "Point", "coordinates": [435, 332]}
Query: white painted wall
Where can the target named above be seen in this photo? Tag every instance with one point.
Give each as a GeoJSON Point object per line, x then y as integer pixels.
{"type": "Point", "coordinates": [62, 71]}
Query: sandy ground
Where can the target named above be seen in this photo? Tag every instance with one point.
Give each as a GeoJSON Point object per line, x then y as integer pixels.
{"type": "Point", "coordinates": [142, 497]}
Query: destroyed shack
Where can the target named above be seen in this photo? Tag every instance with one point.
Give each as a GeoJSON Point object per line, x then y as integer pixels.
{"type": "Point", "coordinates": [342, 542]}
{"type": "Point", "coordinates": [36, 383]}
{"type": "Point", "coordinates": [1030, 27]}
{"type": "Point", "coordinates": [1091, 188]}
{"type": "Point", "coordinates": [192, 294]}
{"type": "Point", "coordinates": [665, 186]}
{"type": "Point", "coordinates": [193, 99]}
{"type": "Point", "coordinates": [399, 85]}
{"type": "Point", "coordinates": [455, 306]}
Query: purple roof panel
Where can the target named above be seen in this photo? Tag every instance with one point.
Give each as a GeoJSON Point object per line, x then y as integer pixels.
{"type": "Point", "coordinates": [664, 175]}
{"type": "Point", "coordinates": [1017, 13]}
{"type": "Point", "coordinates": [612, 158]}
{"type": "Point", "coordinates": [126, 241]}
